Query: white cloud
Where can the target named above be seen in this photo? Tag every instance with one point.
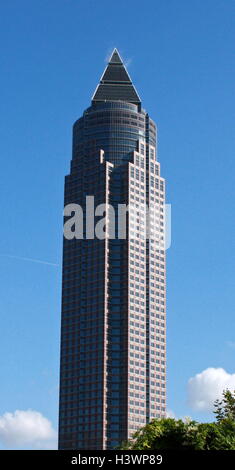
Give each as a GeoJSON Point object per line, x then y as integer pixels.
{"type": "Point", "coordinates": [170, 414]}
{"type": "Point", "coordinates": [27, 428]}
{"type": "Point", "coordinates": [207, 386]}
{"type": "Point", "coordinates": [128, 62]}
{"type": "Point", "coordinates": [108, 55]}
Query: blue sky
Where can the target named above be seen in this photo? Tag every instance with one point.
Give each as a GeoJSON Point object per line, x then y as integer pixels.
{"type": "Point", "coordinates": [180, 57]}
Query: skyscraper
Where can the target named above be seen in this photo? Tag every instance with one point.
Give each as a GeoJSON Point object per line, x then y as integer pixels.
{"type": "Point", "coordinates": [112, 373]}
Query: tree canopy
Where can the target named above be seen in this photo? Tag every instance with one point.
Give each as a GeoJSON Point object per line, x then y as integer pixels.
{"type": "Point", "coordinates": [172, 434]}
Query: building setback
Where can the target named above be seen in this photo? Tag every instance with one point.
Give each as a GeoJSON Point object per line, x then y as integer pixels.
{"type": "Point", "coordinates": [112, 366]}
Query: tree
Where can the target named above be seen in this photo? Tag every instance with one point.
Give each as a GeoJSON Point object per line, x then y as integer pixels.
{"type": "Point", "coordinates": [225, 408]}
{"type": "Point", "coordinates": [165, 434]}
{"type": "Point", "coordinates": [172, 434]}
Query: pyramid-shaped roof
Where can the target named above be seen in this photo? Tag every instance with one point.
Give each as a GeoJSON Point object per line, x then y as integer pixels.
{"type": "Point", "coordinates": [115, 83]}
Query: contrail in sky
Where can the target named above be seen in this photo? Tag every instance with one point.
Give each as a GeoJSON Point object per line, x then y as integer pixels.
{"type": "Point", "coordinates": [30, 259]}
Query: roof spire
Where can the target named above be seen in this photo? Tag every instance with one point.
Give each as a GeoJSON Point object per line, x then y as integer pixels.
{"type": "Point", "coordinates": [115, 83]}
{"type": "Point", "coordinates": [115, 57]}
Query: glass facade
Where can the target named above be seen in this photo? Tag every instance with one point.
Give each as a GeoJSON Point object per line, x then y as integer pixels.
{"type": "Point", "coordinates": [112, 373]}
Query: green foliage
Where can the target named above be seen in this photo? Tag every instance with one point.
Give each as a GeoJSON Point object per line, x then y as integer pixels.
{"type": "Point", "coordinates": [172, 434]}
{"type": "Point", "coordinates": [165, 434]}
{"type": "Point", "coordinates": [225, 409]}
